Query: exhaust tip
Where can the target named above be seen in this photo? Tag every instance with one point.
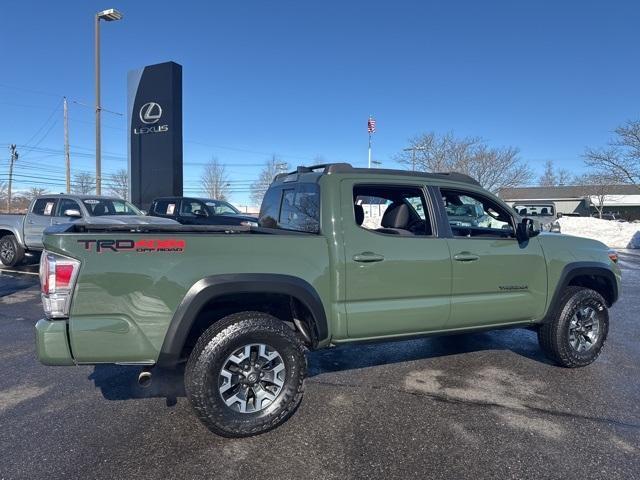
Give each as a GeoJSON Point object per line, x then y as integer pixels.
{"type": "Point", "coordinates": [144, 378]}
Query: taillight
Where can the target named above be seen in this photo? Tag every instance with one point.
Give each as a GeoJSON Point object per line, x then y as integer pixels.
{"type": "Point", "coordinates": [57, 278]}
{"type": "Point", "coordinates": [613, 255]}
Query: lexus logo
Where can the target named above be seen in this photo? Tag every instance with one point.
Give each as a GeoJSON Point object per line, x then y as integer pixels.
{"type": "Point", "coordinates": [150, 113]}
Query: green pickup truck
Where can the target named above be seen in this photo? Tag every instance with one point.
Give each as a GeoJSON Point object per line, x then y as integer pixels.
{"type": "Point", "coordinates": [341, 254]}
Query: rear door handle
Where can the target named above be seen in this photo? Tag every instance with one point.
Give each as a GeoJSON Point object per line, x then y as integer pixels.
{"type": "Point", "coordinates": [465, 257]}
{"type": "Point", "coordinates": [368, 257]}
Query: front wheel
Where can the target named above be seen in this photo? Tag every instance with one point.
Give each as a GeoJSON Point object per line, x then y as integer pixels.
{"type": "Point", "coordinates": [578, 329]}
{"type": "Point", "coordinates": [11, 252]}
{"type": "Point", "coordinates": [245, 375]}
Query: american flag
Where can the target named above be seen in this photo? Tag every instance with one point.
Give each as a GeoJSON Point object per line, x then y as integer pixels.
{"type": "Point", "coordinates": [371, 125]}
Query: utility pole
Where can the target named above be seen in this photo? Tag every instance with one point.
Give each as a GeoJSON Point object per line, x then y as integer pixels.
{"type": "Point", "coordinates": [67, 157]}
{"type": "Point", "coordinates": [14, 157]}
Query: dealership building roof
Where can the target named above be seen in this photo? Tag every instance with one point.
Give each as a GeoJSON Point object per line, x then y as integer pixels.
{"type": "Point", "coordinates": [569, 192]}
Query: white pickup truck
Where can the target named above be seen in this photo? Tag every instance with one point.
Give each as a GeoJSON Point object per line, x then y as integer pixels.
{"type": "Point", "coordinates": [21, 235]}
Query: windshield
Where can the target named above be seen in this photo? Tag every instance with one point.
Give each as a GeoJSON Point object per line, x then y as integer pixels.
{"type": "Point", "coordinates": [219, 207]}
{"type": "Point", "coordinates": [100, 207]}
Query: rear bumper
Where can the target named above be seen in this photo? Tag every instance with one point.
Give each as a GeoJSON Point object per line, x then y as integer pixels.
{"type": "Point", "coordinates": [52, 342]}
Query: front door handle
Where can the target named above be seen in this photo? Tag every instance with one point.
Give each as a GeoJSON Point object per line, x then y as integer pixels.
{"type": "Point", "coordinates": [465, 257]}
{"type": "Point", "coordinates": [368, 257]}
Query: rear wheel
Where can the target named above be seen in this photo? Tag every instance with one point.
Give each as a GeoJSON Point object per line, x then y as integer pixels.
{"type": "Point", "coordinates": [245, 375]}
{"type": "Point", "coordinates": [576, 334]}
{"type": "Point", "coordinates": [11, 252]}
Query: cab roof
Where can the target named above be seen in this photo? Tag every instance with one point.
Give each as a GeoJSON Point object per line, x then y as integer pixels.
{"type": "Point", "coordinates": [337, 168]}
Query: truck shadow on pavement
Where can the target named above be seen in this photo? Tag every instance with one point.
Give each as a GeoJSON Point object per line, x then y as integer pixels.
{"type": "Point", "coordinates": [118, 382]}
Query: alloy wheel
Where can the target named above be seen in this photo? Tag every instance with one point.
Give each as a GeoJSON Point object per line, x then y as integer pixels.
{"type": "Point", "coordinates": [7, 252]}
{"type": "Point", "coordinates": [584, 329]}
{"type": "Point", "coordinates": [251, 378]}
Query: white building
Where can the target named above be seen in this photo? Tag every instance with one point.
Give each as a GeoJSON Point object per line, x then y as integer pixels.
{"type": "Point", "coordinates": [623, 200]}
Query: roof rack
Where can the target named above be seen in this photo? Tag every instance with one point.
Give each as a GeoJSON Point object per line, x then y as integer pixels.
{"type": "Point", "coordinates": [330, 168]}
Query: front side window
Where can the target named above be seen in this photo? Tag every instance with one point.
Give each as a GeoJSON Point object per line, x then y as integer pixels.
{"type": "Point", "coordinates": [292, 207]}
{"type": "Point", "coordinates": [472, 215]}
{"type": "Point", "coordinates": [67, 204]}
{"type": "Point", "coordinates": [101, 207]}
{"type": "Point", "coordinates": [193, 208]}
{"type": "Point", "coordinates": [218, 207]}
{"type": "Point", "coordinates": [391, 209]}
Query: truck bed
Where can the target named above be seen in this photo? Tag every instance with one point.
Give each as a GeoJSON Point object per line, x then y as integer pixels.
{"type": "Point", "coordinates": [132, 278]}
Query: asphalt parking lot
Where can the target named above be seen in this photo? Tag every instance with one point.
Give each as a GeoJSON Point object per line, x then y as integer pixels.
{"type": "Point", "coordinates": [469, 406]}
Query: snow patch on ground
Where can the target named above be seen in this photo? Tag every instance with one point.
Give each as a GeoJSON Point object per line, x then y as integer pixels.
{"type": "Point", "coordinates": [613, 234]}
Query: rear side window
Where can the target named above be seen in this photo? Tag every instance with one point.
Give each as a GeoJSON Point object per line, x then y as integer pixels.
{"type": "Point", "coordinates": [292, 207]}
{"type": "Point", "coordinates": [164, 207]}
{"type": "Point", "coordinates": [44, 206]}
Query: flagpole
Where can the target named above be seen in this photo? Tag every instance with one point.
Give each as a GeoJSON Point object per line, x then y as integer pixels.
{"type": "Point", "coordinates": [369, 149]}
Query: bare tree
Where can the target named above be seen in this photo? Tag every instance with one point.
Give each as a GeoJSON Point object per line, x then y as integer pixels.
{"type": "Point", "coordinates": [119, 184]}
{"type": "Point", "coordinates": [494, 168]}
{"type": "Point", "coordinates": [552, 178]}
{"type": "Point", "coordinates": [83, 183]}
{"type": "Point", "coordinates": [621, 157]}
{"type": "Point", "coordinates": [3, 191]}
{"type": "Point", "coordinates": [20, 203]}
{"type": "Point", "coordinates": [548, 177]}
{"type": "Point", "coordinates": [271, 168]}
{"type": "Point", "coordinates": [596, 186]}
{"type": "Point", "coordinates": [215, 180]}
{"type": "Point", "coordinates": [35, 192]}
{"type": "Point", "coordinates": [565, 177]}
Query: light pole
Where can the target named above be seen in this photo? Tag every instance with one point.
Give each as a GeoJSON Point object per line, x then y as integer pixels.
{"type": "Point", "coordinates": [108, 16]}
{"type": "Point", "coordinates": [413, 155]}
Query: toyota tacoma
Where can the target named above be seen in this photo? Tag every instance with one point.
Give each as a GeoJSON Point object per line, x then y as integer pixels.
{"type": "Point", "coordinates": [340, 255]}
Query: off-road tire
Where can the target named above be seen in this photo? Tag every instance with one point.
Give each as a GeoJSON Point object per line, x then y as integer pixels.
{"type": "Point", "coordinates": [553, 336]}
{"type": "Point", "coordinates": [209, 355]}
{"type": "Point", "coordinates": [11, 252]}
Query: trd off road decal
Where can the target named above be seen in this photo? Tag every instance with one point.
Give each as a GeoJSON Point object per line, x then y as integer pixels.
{"type": "Point", "coordinates": [140, 246]}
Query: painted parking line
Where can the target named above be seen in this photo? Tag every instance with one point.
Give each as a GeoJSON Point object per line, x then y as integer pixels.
{"type": "Point", "coordinates": [6, 270]}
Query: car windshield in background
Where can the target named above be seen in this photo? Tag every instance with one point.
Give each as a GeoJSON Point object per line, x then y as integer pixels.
{"type": "Point", "coordinates": [100, 207]}
{"type": "Point", "coordinates": [221, 208]}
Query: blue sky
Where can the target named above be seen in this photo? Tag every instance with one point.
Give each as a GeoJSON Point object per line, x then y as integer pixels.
{"type": "Point", "coordinates": [299, 79]}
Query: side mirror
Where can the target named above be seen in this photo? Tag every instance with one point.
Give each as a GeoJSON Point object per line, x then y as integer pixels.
{"type": "Point", "coordinates": [526, 229]}
{"type": "Point", "coordinates": [199, 213]}
{"type": "Point", "coordinates": [144, 212]}
{"type": "Point", "coordinates": [72, 212]}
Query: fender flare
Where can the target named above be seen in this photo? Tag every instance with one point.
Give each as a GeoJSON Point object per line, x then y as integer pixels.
{"type": "Point", "coordinates": [214, 286]}
{"type": "Point", "coordinates": [577, 269]}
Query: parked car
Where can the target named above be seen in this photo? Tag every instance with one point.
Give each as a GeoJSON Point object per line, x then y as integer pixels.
{"type": "Point", "coordinates": [543, 213]}
{"type": "Point", "coordinates": [200, 211]}
{"type": "Point", "coordinates": [21, 235]}
{"type": "Point", "coordinates": [239, 306]}
{"type": "Point", "coordinates": [612, 216]}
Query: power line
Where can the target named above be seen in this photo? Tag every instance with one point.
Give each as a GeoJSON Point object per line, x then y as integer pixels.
{"type": "Point", "coordinates": [29, 147]}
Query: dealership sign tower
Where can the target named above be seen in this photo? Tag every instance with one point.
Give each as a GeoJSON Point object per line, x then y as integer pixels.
{"type": "Point", "coordinates": [155, 132]}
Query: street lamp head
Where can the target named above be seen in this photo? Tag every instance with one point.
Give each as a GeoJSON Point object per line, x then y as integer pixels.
{"type": "Point", "coordinates": [109, 15]}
